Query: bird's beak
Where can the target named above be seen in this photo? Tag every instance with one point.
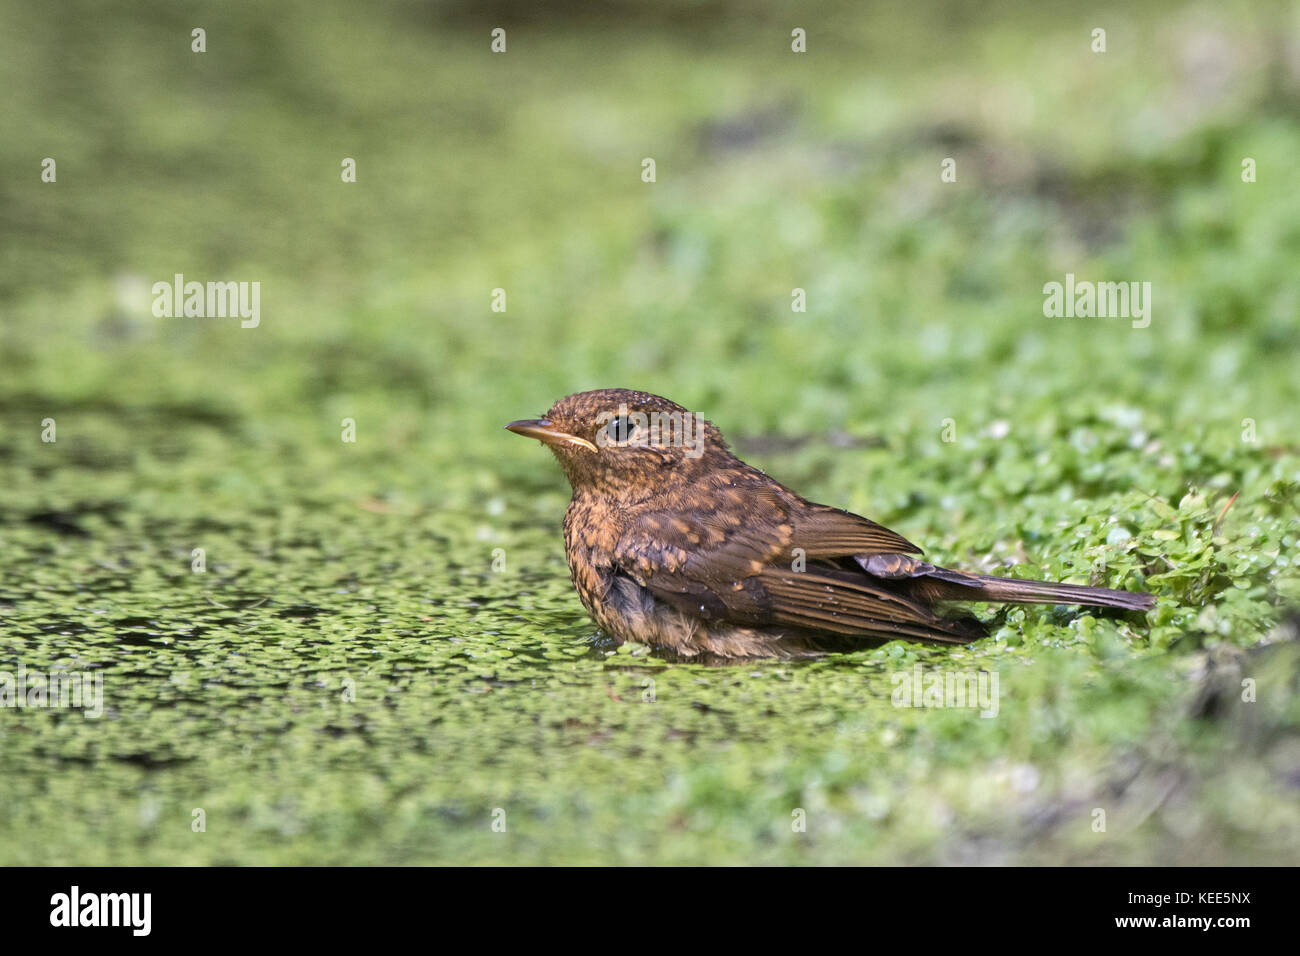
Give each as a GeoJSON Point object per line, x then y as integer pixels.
{"type": "Point", "coordinates": [545, 432]}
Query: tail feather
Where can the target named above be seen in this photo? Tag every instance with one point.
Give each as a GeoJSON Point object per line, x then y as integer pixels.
{"type": "Point", "coordinates": [984, 587]}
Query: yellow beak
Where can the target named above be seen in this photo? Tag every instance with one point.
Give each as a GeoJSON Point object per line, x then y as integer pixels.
{"type": "Point", "coordinates": [545, 432]}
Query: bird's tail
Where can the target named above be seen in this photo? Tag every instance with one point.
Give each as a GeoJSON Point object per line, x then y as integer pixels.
{"type": "Point", "coordinates": [945, 585]}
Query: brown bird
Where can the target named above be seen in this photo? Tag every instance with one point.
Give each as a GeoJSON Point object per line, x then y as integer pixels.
{"type": "Point", "coordinates": [674, 542]}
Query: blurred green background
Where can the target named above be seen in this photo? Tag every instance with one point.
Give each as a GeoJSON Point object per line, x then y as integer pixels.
{"type": "Point", "coordinates": [1085, 449]}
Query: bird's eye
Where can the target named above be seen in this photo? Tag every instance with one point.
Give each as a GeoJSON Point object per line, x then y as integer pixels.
{"type": "Point", "coordinates": [619, 430]}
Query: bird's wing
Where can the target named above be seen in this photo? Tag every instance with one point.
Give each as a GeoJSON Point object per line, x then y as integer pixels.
{"type": "Point", "coordinates": [825, 532]}
{"type": "Point", "coordinates": [705, 563]}
{"type": "Point", "coordinates": [740, 567]}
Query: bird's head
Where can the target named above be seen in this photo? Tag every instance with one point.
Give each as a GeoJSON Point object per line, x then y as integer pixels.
{"type": "Point", "coordinates": [624, 444]}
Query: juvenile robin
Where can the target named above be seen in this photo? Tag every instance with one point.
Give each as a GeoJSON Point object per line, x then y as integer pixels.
{"type": "Point", "coordinates": [674, 542]}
